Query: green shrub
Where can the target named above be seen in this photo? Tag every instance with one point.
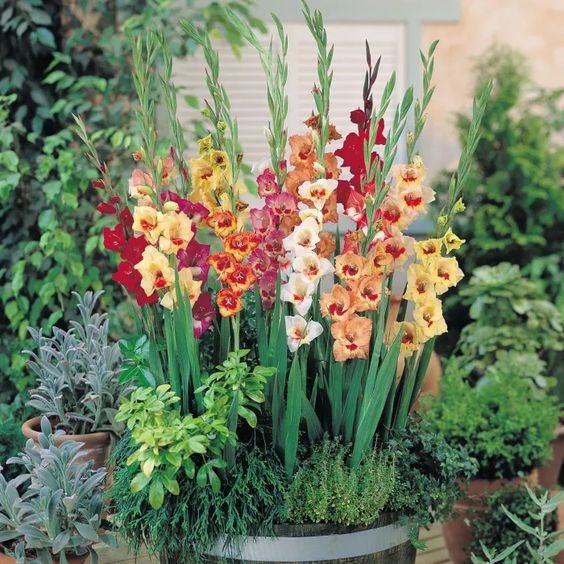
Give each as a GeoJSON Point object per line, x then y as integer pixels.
{"type": "Point", "coordinates": [428, 471]}
{"type": "Point", "coordinates": [501, 423]}
{"type": "Point", "coordinates": [514, 198]}
{"type": "Point", "coordinates": [11, 438]}
{"type": "Point", "coordinates": [497, 531]}
{"type": "Point", "coordinates": [326, 489]}
{"type": "Point", "coordinates": [59, 59]}
{"type": "Point", "coordinates": [189, 524]}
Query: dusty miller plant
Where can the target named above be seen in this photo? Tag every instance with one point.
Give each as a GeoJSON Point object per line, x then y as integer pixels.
{"type": "Point", "coordinates": [78, 372]}
{"type": "Point", "coordinates": [54, 506]}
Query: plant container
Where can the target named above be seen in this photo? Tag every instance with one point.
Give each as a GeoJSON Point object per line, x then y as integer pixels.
{"type": "Point", "coordinates": [385, 542]}
{"type": "Point", "coordinates": [95, 445]}
{"type": "Point", "coordinates": [549, 473]}
{"type": "Point", "coordinates": [4, 559]}
{"type": "Point", "coordinates": [457, 532]}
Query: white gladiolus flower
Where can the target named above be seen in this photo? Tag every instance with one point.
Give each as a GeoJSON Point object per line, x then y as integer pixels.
{"type": "Point", "coordinates": [301, 332]}
{"type": "Point", "coordinates": [312, 266]}
{"type": "Point", "coordinates": [319, 191]}
{"type": "Point", "coordinates": [298, 291]}
{"type": "Point", "coordinates": [304, 237]}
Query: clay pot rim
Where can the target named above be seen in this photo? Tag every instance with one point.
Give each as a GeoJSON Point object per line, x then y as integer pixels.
{"type": "Point", "coordinates": [30, 430]}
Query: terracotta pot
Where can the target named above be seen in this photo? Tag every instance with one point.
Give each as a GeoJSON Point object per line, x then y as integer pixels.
{"type": "Point", "coordinates": [458, 532]}
{"type": "Point", "coordinates": [386, 542]}
{"type": "Point", "coordinates": [95, 445]}
{"type": "Point", "coordinates": [549, 473]}
{"type": "Point", "coordinates": [70, 559]}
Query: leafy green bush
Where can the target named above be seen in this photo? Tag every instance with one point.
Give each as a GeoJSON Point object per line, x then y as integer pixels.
{"type": "Point", "coordinates": [497, 531]}
{"type": "Point", "coordinates": [56, 59]}
{"type": "Point", "coordinates": [501, 423]}
{"type": "Point", "coordinates": [326, 489]}
{"type": "Point", "coordinates": [514, 197]}
{"type": "Point", "coordinates": [190, 523]}
{"type": "Point", "coordinates": [513, 327]}
{"type": "Point", "coordinates": [11, 438]}
{"type": "Point", "coordinates": [428, 470]}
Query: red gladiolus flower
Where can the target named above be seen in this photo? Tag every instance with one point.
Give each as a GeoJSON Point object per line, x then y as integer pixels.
{"type": "Point", "coordinates": [203, 313]}
{"type": "Point", "coordinates": [134, 247]}
{"type": "Point", "coordinates": [125, 218]}
{"type": "Point", "coordinates": [106, 208]}
{"type": "Point", "coordinates": [195, 256]}
{"type": "Point", "coordinates": [127, 276]}
{"type": "Point", "coordinates": [114, 239]}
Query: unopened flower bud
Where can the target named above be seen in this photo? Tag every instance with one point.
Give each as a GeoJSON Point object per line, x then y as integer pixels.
{"type": "Point", "coordinates": [459, 206]}
{"type": "Point", "coordinates": [221, 126]}
{"type": "Point", "coordinates": [159, 167]}
{"type": "Point", "coordinates": [145, 190]}
{"type": "Point", "coordinates": [170, 206]}
{"type": "Point", "coordinates": [418, 161]}
{"type": "Point", "coordinates": [319, 168]}
{"type": "Point", "coordinates": [441, 220]}
{"type": "Point", "coordinates": [268, 135]}
{"type": "Point", "coordinates": [206, 112]}
{"type": "Point", "coordinates": [410, 138]}
{"type": "Point", "coordinates": [138, 155]}
{"type": "Point", "coordinates": [315, 137]}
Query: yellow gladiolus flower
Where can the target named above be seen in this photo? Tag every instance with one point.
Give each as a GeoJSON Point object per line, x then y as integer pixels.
{"type": "Point", "coordinates": [147, 220]}
{"type": "Point", "coordinates": [192, 288]}
{"type": "Point", "coordinates": [446, 273]}
{"type": "Point", "coordinates": [176, 232]}
{"type": "Point", "coordinates": [428, 249]}
{"type": "Point", "coordinates": [420, 284]}
{"type": "Point", "coordinates": [451, 241]}
{"type": "Point", "coordinates": [156, 272]}
{"type": "Point", "coordinates": [411, 338]}
{"type": "Point", "coordinates": [429, 318]}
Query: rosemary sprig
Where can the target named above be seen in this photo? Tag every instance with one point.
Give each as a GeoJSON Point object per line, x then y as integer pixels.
{"type": "Point", "coordinates": [220, 112]}
{"type": "Point", "coordinates": [275, 68]}
{"type": "Point", "coordinates": [321, 92]}
{"type": "Point", "coordinates": [455, 204]}
{"type": "Point", "coordinates": [420, 106]}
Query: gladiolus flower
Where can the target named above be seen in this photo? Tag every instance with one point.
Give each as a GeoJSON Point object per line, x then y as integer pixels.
{"type": "Point", "coordinates": [446, 273]}
{"type": "Point", "coordinates": [195, 257]}
{"type": "Point", "coordinates": [241, 244]}
{"type": "Point", "coordinates": [176, 232]}
{"type": "Point", "coordinates": [188, 286]}
{"type": "Point", "coordinates": [312, 266]}
{"type": "Point", "coordinates": [141, 184]}
{"type": "Point", "coordinates": [337, 304]}
{"type": "Point", "coordinates": [312, 213]}
{"type": "Point", "coordinates": [298, 291]}
{"type": "Point", "coordinates": [228, 302]}
{"type": "Point", "coordinates": [451, 241]}
{"type": "Point", "coordinates": [429, 317]}
{"type": "Point", "coordinates": [409, 175]}
{"type": "Point", "coordinates": [303, 151]}
{"type": "Point", "coordinates": [106, 208]}
{"type": "Point", "coordinates": [155, 271]}
{"type": "Point", "coordinates": [203, 314]}
{"type": "Point", "coordinates": [218, 160]}
{"type": "Point", "coordinates": [318, 192]}
{"type": "Point", "coordinates": [367, 291]}
{"type": "Point", "coordinates": [411, 337]}
{"type": "Point", "coordinates": [223, 223]}
{"type": "Point", "coordinates": [301, 332]}
{"type": "Point", "coordinates": [267, 185]}
{"type": "Point", "coordinates": [350, 266]}
{"type": "Point", "coordinates": [114, 239]}
{"type": "Point", "coordinates": [127, 276]}
{"type": "Point", "coordinates": [420, 284]}
{"type": "Point", "coordinates": [146, 220]}
{"type": "Point", "coordinates": [262, 221]}
{"type": "Point", "coordinates": [296, 178]}
{"type": "Point", "coordinates": [267, 288]}
{"type": "Point", "coordinates": [428, 249]}
{"type": "Point", "coordinates": [223, 263]}
{"type": "Point", "coordinates": [352, 338]}
{"type": "Point", "coordinates": [304, 237]}
{"type": "Point", "coordinates": [259, 261]}
{"type": "Point", "coordinates": [274, 243]}
{"type": "Point", "coordinates": [282, 204]}
{"type": "Point", "coordinates": [241, 279]}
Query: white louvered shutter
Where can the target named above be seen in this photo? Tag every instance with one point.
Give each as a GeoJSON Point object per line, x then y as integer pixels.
{"type": "Point", "coordinates": [244, 81]}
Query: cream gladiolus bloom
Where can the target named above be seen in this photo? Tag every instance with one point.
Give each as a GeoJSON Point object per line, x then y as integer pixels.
{"type": "Point", "coordinates": [156, 272]}
{"type": "Point", "coordinates": [319, 191]}
{"type": "Point", "coordinates": [176, 232]}
{"type": "Point", "coordinates": [301, 332]}
{"type": "Point", "coordinates": [312, 266]}
{"type": "Point", "coordinates": [192, 288]}
{"type": "Point", "coordinates": [298, 291]}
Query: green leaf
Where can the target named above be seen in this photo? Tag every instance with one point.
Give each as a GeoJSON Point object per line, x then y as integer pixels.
{"type": "Point", "coordinates": [139, 482]}
{"type": "Point", "coordinates": [156, 494]}
{"type": "Point", "coordinates": [291, 424]}
{"type": "Point", "coordinates": [46, 37]}
{"type": "Point", "coordinates": [87, 531]}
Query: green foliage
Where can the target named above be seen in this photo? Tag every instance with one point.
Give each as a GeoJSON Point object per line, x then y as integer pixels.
{"type": "Point", "coordinates": [55, 504]}
{"type": "Point", "coordinates": [77, 372]}
{"type": "Point", "coordinates": [428, 472]}
{"type": "Point", "coordinates": [501, 423]}
{"type": "Point", "coordinates": [513, 327]}
{"type": "Point", "coordinates": [326, 490]}
{"type": "Point", "coordinates": [190, 523]}
{"type": "Point", "coordinates": [59, 59]}
{"type": "Point", "coordinates": [200, 445]}
{"type": "Point", "coordinates": [496, 531]}
{"type": "Point", "coordinates": [11, 438]}
{"type": "Point", "coordinates": [514, 198]}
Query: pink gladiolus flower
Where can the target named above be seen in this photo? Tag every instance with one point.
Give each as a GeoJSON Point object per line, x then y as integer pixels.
{"type": "Point", "coordinates": [262, 221]}
{"type": "Point", "coordinates": [195, 257]}
{"type": "Point", "coordinates": [203, 313]}
{"type": "Point", "coordinates": [282, 204]}
{"type": "Point", "coordinates": [267, 185]}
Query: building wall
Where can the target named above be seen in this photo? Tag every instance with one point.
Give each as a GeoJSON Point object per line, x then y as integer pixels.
{"type": "Point", "coordinates": [536, 27]}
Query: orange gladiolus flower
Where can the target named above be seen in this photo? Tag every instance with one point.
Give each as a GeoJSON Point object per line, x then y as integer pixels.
{"type": "Point", "coordinates": [337, 304]}
{"type": "Point", "coordinates": [352, 338]}
{"type": "Point", "coordinates": [295, 178]}
{"type": "Point", "coordinates": [367, 291]}
{"type": "Point", "coordinates": [241, 278]}
{"type": "Point", "coordinates": [327, 244]}
{"type": "Point", "coordinates": [223, 223]}
{"type": "Point", "coordinates": [223, 263]}
{"type": "Point", "coordinates": [420, 284]}
{"type": "Point", "coordinates": [241, 244]}
{"type": "Point", "coordinates": [228, 302]}
{"type": "Point", "coordinates": [350, 266]}
{"type": "Point", "coordinates": [303, 151]}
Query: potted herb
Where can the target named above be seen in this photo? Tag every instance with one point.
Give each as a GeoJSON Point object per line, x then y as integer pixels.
{"type": "Point", "coordinates": [516, 330]}
{"type": "Point", "coordinates": [503, 424]}
{"type": "Point", "coordinates": [51, 510]}
{"type": "Point", "coordinates": [78, 384]}
{"type": "Point", "coordinates": [265, 328]}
